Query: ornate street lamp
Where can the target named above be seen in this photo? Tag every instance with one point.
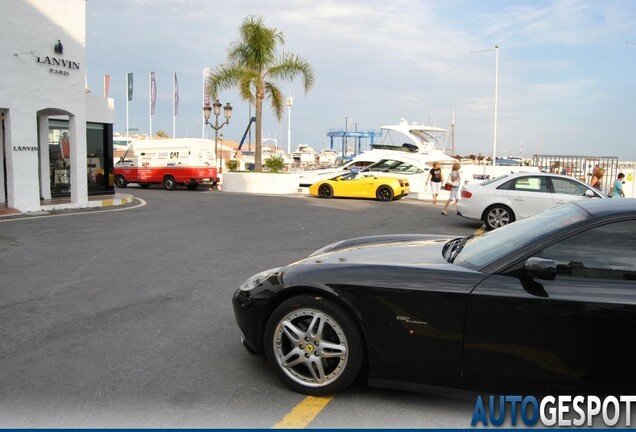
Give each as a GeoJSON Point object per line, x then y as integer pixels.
{"type": "Point", "coordinates": [227, 112]}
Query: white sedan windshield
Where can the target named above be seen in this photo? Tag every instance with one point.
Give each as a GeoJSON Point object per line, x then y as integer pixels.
{"type": "Point", "coordinates": [482, 250]}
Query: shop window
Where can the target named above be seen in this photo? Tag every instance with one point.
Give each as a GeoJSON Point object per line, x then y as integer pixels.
{"type": "Point", "coordinates": [99, 158]}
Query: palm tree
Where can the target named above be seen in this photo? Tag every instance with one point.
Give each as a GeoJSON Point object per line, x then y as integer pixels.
{"type": "Point", "coordinates": [254, 67]}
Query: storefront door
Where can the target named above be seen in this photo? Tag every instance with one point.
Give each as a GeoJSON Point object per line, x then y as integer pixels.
{"type": "Point", "coordinates": [59, 158]}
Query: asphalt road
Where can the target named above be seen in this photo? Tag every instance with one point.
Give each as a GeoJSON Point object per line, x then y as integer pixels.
{"type": "Point", "coordinates": [123, 318]}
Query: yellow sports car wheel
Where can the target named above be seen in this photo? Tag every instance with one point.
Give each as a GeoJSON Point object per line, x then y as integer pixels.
{"type": "Point", "coordinates": [325, 191]}
{"type": "Point", "coordinates": [384, 193]}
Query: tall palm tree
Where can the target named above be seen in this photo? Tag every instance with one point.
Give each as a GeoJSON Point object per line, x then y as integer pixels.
{"type": "Point", "coordinates": [254, 67]}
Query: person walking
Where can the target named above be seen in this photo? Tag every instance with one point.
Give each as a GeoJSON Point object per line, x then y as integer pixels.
{"type": "Point", "coordinates": [454, 181]}
{"type": "Point", "coordinates": [617, 190]}
{"type": "Point", "coordinates": [435, 178]}
{"type": "Point", "coordinates": [597, 176]}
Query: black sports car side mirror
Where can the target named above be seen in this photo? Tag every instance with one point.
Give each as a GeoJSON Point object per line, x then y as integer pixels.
{"type": "Point", "coordinates": [541, 268]}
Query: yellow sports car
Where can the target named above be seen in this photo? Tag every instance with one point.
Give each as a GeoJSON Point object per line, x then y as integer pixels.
{"type": "Point", "coordinates": [361, 185]}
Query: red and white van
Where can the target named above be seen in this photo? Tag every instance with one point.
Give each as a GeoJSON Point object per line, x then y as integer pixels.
{"type": "Point", "coordinates": [170, 162]}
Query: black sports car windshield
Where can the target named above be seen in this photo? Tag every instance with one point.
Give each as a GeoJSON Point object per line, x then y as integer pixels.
{"type": "Point", "coordinates": [479, 251]}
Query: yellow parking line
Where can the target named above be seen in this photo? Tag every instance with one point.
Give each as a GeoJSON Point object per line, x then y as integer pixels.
{"type": "Point", "coordinates": [303, 413]}
{"type": "Point", "coordinates": [480, 231]}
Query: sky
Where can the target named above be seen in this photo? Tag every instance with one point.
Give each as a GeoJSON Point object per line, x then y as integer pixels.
{"type": "Point", "coordinates": [566, 70]}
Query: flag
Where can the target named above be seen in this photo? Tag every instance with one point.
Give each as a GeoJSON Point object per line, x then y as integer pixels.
{"type": "Point", "coordinates": [206, 95]}
{"type": "Point", "coordinates": [176, 95]}
{"type": "Point", "coordinates": [106, 85]}
{"type": "Point", "coordinates": [153, 93]}
{"type": "Point", "coordinates": [129, 80]}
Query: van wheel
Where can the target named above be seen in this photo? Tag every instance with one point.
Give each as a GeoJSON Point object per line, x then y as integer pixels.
{"type": "Point", "coordinates": [192, 186]}
{"type": "Point", "coordinates": [120, 181]}
{"type": "Point", "coordinates": [169, 183]}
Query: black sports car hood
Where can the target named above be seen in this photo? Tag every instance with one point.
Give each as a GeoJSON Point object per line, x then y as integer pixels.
{"type": "Point", "coordinates": [408, 249]}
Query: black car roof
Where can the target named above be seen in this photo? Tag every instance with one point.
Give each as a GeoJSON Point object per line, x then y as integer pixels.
{"type": "Point", "coordinates": [606, 207]}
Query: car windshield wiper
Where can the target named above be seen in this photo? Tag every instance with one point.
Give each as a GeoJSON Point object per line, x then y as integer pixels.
{"type": "Point", "coordinates": [449, 248]}
{"type": "Point", "coordinates": [457, 247]}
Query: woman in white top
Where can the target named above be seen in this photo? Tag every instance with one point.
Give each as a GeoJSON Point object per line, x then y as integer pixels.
{"type": "Point", "coordinates": [455, 182]}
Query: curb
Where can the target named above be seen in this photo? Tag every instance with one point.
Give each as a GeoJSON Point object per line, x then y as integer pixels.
{"type": "Point", "coordinates": [97, 202]}
{"type": "Point", "coordinates": [121, 200]}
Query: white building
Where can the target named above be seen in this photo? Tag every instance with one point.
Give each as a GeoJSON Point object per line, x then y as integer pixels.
{"type": "Point", "coordinates": [55, 138]}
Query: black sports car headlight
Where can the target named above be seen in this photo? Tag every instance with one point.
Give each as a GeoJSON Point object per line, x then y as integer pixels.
{"type": "Point", "coordinates": [258, 279]}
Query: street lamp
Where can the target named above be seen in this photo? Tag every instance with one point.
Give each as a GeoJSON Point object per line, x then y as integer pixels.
{"type": "Point", "coordinates": [290, 102]}
{"type": "Point", "coordinates": [221, 152]}
{"type": "Point", "coordinates": [494, 140]}
{"type": "Point", "coordinates": [227, 112]}
{"type": "Point", "coordinates": [634, 180]}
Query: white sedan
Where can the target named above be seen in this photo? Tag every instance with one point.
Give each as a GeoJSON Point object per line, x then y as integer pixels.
{"type": "Point", "coordinates": [512, 197]}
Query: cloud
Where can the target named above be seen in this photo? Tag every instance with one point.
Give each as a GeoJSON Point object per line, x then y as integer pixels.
{"type": "Point", "coordinates": [567, 22]}
{"type": "Point", "coordinates": [377, 61]}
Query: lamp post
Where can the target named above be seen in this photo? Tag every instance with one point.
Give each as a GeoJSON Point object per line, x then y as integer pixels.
{"type": "Point", "coordinates": [221, 152]}
{"type": "Point", "coordinates": [290, 102]}
{"type": "Point", "coordinates": [494, 140]}
{"type": "Point", "coordinates": [227, 112]}
{"type": "Point", "coordinates": [634, 165]}
{"type": "Point", "coordinates": [344, 139]}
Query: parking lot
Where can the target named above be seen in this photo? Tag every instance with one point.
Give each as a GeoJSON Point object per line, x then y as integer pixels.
{"type": "Point", "coordinates": [122, 318]}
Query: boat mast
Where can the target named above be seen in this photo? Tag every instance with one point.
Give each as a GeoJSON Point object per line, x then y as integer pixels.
{"type": "Point", "coordinates": [453, 134]}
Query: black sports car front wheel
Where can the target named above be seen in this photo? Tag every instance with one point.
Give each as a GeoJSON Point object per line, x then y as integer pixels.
{"type": "Point", "coordinates": [314, 345]}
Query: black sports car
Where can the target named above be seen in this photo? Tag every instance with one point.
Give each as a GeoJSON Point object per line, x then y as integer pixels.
{"type": "Point", "coordinates": [547, 304]}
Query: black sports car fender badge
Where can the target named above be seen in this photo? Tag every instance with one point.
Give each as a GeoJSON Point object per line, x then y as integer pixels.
{"type": "Point", "coordinates": [408, 320]}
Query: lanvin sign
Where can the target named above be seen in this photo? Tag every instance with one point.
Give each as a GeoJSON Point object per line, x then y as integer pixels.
{"type": "Point", "coordinates": [58, 66]}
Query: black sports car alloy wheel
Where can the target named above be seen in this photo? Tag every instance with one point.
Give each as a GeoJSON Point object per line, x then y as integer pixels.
{"type": "Point", "coordinates": [314, 345]}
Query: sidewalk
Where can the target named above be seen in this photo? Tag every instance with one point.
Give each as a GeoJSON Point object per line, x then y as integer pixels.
{"type": "Point", "coordinates": [64, 203]}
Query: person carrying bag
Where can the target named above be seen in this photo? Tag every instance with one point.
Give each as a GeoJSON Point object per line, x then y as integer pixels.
{"type": "Point", "coordinates": [452, 184]}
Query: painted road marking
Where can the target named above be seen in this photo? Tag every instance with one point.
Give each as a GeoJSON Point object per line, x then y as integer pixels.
{"type": "Point", "coordinates": [480, 231]}
{"type": "Point", "coordinates": [14, 219]}
{"type": "Point", "coordinates": [303, 413]}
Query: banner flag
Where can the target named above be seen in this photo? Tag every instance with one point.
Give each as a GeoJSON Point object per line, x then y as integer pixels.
{"type": "Point", "coordinates": [106, 85]}
{"type": "Point", "coordinates": [130, 85]}
{"type": "Point", "coordinates": [176, 95]}
{"type": "Point", "coordinates": [206, 95]}
{"type": "Point", "coordinates": [153, 93]}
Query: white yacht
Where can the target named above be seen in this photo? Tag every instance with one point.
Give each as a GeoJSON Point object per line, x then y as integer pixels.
{"type": "Point", "coordinates": [269, 148]}
{"type": "Point", "coordinates": [409, 150]}
{"type": "Point", "coordinates": [327, 157]}
{"type": "Point", "coordinates": [304, 155]}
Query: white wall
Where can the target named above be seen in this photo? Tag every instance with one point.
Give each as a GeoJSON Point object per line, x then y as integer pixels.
{"type": "Point", "coordinates": [29, 30]}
